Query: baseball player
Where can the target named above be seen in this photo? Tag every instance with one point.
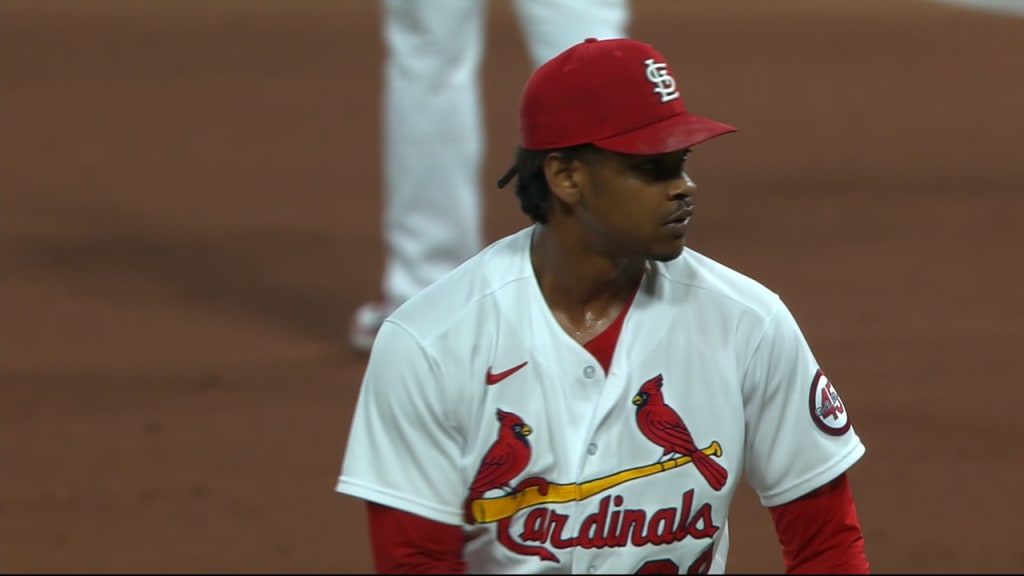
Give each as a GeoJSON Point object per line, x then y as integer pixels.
{"type": "Point", "coordinates": [585, 395]}
{"type": "Point", "coordinates": [433, 138]}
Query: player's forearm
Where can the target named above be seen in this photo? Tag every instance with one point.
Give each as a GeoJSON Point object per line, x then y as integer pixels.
{"type": "Point", "coordinates": [404, 543]}
{"type": "Point", "coordinates": [820, 533]}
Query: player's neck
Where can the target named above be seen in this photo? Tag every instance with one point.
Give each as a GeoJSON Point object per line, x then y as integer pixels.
{"type": "Point", "coordinates": [579, 281]}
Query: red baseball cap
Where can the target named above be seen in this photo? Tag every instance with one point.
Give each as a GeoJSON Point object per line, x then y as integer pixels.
{"type": "Point", "coordinates": [618, 94]}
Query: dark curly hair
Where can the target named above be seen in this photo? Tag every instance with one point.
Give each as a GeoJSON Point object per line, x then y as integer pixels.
{"type": "Point", "coordinates": [531, 183]}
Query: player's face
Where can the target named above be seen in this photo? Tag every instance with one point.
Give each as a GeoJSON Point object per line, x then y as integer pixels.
{"type": "Point", "coordinates": [638, 205]}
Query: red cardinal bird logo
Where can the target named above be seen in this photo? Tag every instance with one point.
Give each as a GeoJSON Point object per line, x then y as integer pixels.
{"type": "Point", "coordinates": [504, 460]}
{"type": "Point", "coordinates": [663, 426]}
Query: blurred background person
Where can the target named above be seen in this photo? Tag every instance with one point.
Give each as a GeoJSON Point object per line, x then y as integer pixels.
{"type": "Point", "coordinates": [433, 142]}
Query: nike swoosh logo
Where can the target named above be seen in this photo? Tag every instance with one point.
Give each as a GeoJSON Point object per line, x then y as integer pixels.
{"type": "Point", "coordinates": [493, 378]}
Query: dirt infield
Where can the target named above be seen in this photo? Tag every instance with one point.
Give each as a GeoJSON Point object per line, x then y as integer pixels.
{"type": "Point", "coordinates": [189, 204]}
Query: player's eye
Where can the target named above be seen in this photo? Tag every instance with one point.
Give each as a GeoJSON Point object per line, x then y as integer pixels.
{"type": "Point", "coordinates": [665, 167]}
{"type": "Point", "coordinates": [682, 161]}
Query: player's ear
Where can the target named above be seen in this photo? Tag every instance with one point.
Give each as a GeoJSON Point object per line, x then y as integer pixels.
{"type": "Point", "coordinates": [566, 178]}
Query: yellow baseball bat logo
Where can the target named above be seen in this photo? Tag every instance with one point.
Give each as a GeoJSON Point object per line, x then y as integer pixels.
{"type": "Point", "coordinates": [486, 510]}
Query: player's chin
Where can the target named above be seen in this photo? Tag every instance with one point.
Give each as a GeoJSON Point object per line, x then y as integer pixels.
{"type": "Point", "coordinates": [668, 241]}
{"type": "Point", "coordinates": [665, 251]}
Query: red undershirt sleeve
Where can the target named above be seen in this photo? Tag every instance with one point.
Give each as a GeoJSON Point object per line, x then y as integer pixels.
{"type": "Point", "coordinates": [404, 543]}
{"type": "Point", "coordinates": [819, 532]}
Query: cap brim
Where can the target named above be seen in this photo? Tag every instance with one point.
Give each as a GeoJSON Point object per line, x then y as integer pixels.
{"type": "Point", "coordinates": [668, 135]}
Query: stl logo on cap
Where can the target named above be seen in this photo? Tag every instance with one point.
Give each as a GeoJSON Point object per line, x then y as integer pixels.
{"type": "Point", "coordinates": [664, 83]}
{"type": "Point", "coordinates": [599, 92]}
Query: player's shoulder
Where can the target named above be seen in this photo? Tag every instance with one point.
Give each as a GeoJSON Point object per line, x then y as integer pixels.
{"type": "Point", "coordinates": [467, 292]}
{"type": "Point", "coordinates": [697, 272]}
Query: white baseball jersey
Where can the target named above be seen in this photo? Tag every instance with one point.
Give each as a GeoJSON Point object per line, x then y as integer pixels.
{"type": "Point", "coordinates": [478, 409]}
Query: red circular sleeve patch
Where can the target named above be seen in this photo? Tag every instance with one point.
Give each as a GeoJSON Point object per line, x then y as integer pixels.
{"type": "Point", "coordinates": [827, 409]}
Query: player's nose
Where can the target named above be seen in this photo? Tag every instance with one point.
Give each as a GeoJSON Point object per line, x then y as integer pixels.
{"type": "Point", "coordinates": [682, 187]}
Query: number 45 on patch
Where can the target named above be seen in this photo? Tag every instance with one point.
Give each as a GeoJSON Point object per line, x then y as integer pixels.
{"type": "Point", "coordinates": [827, 409]}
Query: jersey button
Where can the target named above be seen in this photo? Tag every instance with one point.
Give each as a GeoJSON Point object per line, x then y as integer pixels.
{"type": "Point", "coordinates": [592, 569]}
{"type": "Point", "coordinates": [588, 372]}
{"type": "Point", "coordinates": [592, 449]}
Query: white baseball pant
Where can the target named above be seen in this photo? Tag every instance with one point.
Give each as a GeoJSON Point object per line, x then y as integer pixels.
{"type": "Point", "coordinates": [433, 141]}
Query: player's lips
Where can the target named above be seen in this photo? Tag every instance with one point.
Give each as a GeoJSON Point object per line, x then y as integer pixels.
{"type": "Point", "coordinates": [678, 221]}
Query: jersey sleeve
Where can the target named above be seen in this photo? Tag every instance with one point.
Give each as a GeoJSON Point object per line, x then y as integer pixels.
{"type": "Point", "coordinates": [402, 450]}
{"type": "Point", "coordinates": [798, 434]}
